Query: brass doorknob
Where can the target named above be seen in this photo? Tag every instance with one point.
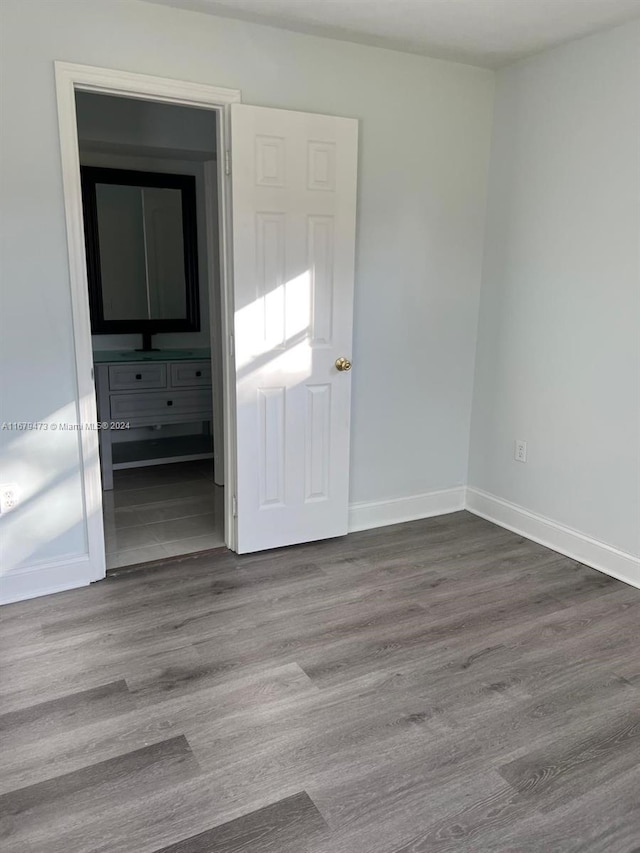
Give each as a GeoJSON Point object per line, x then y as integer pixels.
{"type": "Point", "coordinates": [343, 363]}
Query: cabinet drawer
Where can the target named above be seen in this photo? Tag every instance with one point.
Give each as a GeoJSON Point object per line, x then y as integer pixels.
{"type": "Point", "coordinates": [127, 377]}
{"type": "Point", "coordinates": [161, 404]}
{"type": "Point", "coordinates": [190, 373]}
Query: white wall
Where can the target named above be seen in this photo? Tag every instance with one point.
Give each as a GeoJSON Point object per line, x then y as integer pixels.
{"type": "Point", "coordinates": [558, 359]}
{"type": "Point", "coordinates": [425, 132]}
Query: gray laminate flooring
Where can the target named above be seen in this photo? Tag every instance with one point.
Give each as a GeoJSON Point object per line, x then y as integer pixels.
{"type": "Point", "coordinates": [443, 685]}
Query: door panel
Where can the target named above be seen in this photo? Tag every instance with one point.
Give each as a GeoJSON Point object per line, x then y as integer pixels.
{"type": "Point", "coordinates": [294, 213]}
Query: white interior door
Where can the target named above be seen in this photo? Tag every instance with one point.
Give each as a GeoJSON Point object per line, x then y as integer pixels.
{"type": "Point", "coordinates": [294, 213]}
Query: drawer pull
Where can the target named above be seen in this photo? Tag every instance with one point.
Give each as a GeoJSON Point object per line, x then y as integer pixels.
{"type": "Point", "coordinates": [198, 373]}
{"type": "Point", "coordinates": [169, 402]}
{"type": "Point", "coordinates": [138, 376]}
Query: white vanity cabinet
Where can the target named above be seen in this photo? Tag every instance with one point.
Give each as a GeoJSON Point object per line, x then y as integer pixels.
{"type": "Point", "coordinates": [134, 390]}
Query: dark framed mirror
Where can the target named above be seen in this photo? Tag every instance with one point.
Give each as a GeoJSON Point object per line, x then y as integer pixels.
{"type": "Point", "coordinates": [142, 251]}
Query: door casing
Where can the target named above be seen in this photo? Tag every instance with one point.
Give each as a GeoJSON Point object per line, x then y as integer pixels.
{"type": "Point", "coordinates": [71, 78]}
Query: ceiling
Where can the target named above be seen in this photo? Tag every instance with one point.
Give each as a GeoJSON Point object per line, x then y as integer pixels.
{"type": "Point", "coordinates": [490, 33]}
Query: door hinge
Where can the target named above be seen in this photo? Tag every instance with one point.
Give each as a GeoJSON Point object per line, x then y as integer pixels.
{"type": "Point", "coordinates": [92, 376]}
{"type": "Point", "coordinates": [234, 506]}
{"type": "Point", "coordinates": [231, 347]}
{"type": "Point", "coordinates": [227, 162]}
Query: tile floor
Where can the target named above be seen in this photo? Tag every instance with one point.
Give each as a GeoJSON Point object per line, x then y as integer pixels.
{"type": "Point", "coordinates": [162, 511]}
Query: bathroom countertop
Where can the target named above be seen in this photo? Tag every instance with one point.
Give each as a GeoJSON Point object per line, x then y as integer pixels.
{"type": "Point", "coordinates": [116, 355]}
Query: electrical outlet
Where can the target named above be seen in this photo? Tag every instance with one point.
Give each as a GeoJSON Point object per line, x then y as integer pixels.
{"type": "Point", "coordinates": [8, 497]}
{"type": "Point", "coordinates": [520, 450]}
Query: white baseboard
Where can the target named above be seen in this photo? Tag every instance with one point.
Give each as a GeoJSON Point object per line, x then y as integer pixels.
{"type": "Point", "coordinates": [76, 571]}
{"type": "Point", "coordinates": [605, 558]}
{"type": "Point", "coordinates": [363, 516]}
{"type": "Point", "coordinates": [45, 578]}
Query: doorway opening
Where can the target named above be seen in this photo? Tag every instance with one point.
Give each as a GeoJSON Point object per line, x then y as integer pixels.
{"type": "Point", "coordinates": [146, 207]}
{"type": "Point", "coordinates": [149, 187]}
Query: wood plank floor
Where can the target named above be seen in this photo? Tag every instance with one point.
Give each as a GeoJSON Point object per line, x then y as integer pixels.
{"type": "Point", "coordinates": [443, 685]}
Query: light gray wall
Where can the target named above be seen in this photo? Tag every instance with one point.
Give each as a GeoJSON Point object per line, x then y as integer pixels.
{"type": "Point", "coordinates": [424, 147]}
{"type": "Point", "coordinates": [558, 360]}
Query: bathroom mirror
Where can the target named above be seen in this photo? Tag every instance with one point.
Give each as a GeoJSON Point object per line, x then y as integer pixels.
{"type": "Point", "coordinates": [142, 255]}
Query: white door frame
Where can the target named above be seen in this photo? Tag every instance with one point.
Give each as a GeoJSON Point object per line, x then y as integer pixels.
{"type": "Point", "coordinates": [86, 78]}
